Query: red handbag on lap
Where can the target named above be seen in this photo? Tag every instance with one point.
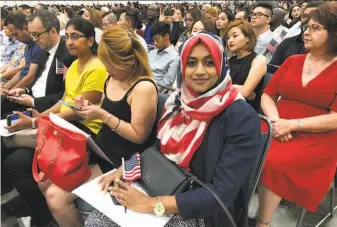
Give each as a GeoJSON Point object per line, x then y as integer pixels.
{"type": "Point", "coordinates": [61, 155]}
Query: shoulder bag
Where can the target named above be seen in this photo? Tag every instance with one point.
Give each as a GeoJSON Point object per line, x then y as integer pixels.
{"type": "Point", "coordinates": [160, 176]}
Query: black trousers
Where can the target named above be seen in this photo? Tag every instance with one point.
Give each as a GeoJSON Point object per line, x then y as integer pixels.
{"type": "Point", "coordinates": [19, 169]}
{"type": "Point", "coordinates": [8, 106]}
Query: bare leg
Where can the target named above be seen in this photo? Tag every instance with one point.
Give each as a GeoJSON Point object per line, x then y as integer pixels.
{"type": "Point", "coordinates": [268, 202]}
{"type": "Point", "coordinates": [61, 203]}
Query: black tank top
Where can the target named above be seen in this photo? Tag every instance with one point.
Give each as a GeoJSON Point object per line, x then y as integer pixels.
{"type": "Point", "coordinates": [114, 146]}
{"type": "Point", "coordinates": [239, 70]}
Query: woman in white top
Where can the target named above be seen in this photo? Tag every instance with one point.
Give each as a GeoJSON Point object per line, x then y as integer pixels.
{"type": "Point", "coordinates": [131, 19]}
{"type": "Point", "coordinates": [94, 17]}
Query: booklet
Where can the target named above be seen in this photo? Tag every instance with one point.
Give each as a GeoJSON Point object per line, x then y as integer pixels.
{"type": "Point", "coordinates": [90, 142]}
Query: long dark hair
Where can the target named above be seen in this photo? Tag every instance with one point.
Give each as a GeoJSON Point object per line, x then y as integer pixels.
{"type": "Point", "coordinates": [86, 28]}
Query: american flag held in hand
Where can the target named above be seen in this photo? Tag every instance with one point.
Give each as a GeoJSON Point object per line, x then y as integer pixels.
{"type": "Point", "coordinates": [131, 168]}
{"type": "Point", "coordinates": [61, 68]}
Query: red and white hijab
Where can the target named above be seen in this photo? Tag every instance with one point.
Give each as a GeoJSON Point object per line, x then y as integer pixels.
{"type": "Point", "coordinates": [186, 115]}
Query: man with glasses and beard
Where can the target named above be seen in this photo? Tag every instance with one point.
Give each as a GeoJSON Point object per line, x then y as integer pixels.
{"type": "Point", "coordinates": [47, 86]}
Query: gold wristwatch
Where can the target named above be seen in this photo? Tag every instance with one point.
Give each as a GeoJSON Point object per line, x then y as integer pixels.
{"type": "Point", "coordinates": [159, 208]}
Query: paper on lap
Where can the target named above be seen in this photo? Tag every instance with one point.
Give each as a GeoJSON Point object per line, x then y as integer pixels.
{"type": "Point", "coordinates": [91, 193]}
{"type": "Point", "coordinates": [4, 132]}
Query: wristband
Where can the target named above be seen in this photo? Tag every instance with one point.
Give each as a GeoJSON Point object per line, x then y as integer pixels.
{"type": "Point", "coordinates": [26, 90]}
{"type": "Point", "coordinates": [33, 123]}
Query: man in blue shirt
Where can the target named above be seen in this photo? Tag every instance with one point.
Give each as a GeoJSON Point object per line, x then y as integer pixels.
{"type": "Point", "coordinates": [8, 45]}
{"type": "Point", "coordinates": [164, 60]}
{"type": "Point", "coordinates": [18, 26]}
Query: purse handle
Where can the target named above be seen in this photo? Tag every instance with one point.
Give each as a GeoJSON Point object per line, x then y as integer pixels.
{"type": "Point", "coordinates": [37, 154]}
{"type": "Point", "coordinates": [213, 193]}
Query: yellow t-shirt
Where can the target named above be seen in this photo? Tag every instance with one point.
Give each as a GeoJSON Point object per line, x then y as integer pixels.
{"type": "Point", "coordinates": [92, 78]}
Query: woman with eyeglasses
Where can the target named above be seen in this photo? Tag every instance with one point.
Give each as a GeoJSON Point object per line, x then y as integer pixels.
{"type": "Point", "coordinates": [191, 16]}
{"type": "Point", "coordinates": [301, 102]}
{"type": "Point", "coordinates": [85, 77]}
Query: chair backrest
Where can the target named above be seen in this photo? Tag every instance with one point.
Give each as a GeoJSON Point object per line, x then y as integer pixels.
{"type": "Point", "coordinates": [267, 77]}
{"type": "Point", "coordinates": [161, 103]}
{"type": "Point", "coordinates": [163, 89]}
{"type": "Point", "coordinates": [265, 141]}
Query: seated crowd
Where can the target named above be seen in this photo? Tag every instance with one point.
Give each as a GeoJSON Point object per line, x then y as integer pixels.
{"type": "Point", "coordinates": [111, 62]}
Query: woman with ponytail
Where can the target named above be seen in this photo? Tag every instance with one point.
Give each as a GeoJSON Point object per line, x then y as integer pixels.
{"type": "Point", "coordinates": [127, 115]}
{"type": "Point", "coordinates": [208, 129]}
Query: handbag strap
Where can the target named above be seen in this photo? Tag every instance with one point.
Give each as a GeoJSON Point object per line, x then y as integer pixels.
{"type": "Point", "coordinates": [213, 193]}
{"type": "Point", "coordinates": [38, 154]}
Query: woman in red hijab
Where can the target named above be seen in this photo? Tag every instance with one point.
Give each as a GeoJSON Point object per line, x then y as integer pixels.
{"type": "Point", "coordinates": [208, 129]}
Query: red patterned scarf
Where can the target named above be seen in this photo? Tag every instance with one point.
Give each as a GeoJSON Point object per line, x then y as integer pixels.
{"type": "Point", "coordinates": [186, 116]}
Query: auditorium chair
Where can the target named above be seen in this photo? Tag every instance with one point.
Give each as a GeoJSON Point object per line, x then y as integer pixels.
{"type": "Point", "coordinates": [266, 139]}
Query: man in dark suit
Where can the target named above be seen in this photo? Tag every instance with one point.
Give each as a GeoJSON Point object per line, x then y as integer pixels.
{"type": "Point", "coordinates": [48, 84]}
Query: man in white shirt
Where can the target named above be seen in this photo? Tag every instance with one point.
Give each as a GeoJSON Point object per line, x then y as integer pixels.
{"type": "Point", "coordinates": [163, 59]}
{"type": "Point", "coordinates": [48, 85]}
{"type": "Point", "coordinates": [260, 21]}
{"type": "Point", "coordinates": [279, 32]}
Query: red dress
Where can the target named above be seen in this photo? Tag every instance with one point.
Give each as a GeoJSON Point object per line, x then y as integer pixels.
{"type": "Point", "coordinates": [302, 169]}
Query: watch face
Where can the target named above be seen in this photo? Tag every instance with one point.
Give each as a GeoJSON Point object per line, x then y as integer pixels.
{"type": "Point", "coordinates": [159, 209]}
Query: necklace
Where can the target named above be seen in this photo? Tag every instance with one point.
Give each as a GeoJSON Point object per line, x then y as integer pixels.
{"type": "Point", "coordinates": [309, 71]}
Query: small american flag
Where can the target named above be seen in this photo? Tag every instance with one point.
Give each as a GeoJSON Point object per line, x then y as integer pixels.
{"type": "Point", "coordinates": [272, 46]}
{"type": "Point", "coordinates": [131, 168]}
{"type": "Point", "coordinates": [283, 34]}
{"type": "Point", "coordinates": [61, 68]}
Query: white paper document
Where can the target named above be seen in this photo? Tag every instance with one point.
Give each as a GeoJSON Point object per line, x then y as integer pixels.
{"type": "Point", "coordinates": [91, 193]}
{"type": "Point", "coordinates": [4, 132]}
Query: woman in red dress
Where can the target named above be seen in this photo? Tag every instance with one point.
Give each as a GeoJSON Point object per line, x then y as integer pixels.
{"type": "Point", "coordinates": [301, 101]}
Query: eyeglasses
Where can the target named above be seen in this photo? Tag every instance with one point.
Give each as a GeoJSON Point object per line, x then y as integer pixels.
{"type": "Point", "coordinates": [106, 24]}
{"type": "Point", "coordinates": [312, 28]}
{"type": "Point", "coordinates": [74, 37]}
{"type": "Point", "coordinates": [37, 36]}
{"type": "Point", "coordinates": [258, 15]}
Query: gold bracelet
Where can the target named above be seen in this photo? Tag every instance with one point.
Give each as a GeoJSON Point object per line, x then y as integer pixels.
{"type": "Point", "coordinates": [114, 129]}
{"type": "Point", "coordinates": [107, 119]}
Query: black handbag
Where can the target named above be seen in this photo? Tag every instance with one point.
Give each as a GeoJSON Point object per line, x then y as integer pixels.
{"type": "Point", "coordinates": [161, 177]}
